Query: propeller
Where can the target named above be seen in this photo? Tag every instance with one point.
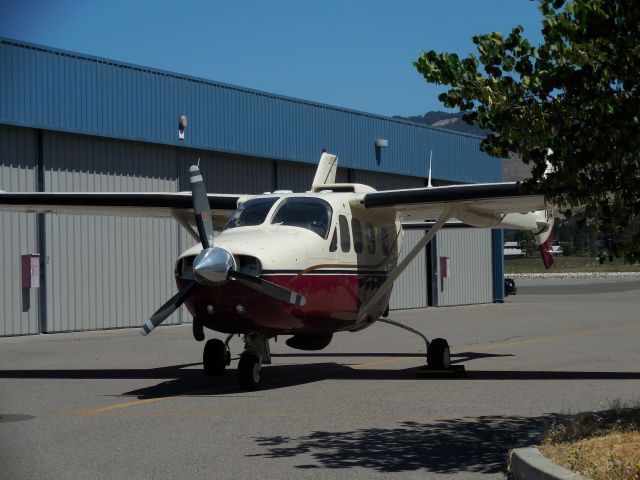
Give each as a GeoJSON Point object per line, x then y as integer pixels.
{"type": "Point", "coordinates": [201, 207]}
{"type": "Point", "coordinates": [213, 264]}
{"type": "Point", "coordinates": [168, 308]}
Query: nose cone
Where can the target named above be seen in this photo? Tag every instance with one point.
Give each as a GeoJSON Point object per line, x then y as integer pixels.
{"type": "Point", "coordinates": [212, 265]}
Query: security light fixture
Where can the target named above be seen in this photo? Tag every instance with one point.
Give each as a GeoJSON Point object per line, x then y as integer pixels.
{"type": "Point", "coordinates": [380, 144]}
{"type": "Point", "coordinates": [182, 124]}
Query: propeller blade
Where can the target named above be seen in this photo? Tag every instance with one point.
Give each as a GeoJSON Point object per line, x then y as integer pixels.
{"type": "Point", "coordinates": [201, 207]}
{"type": "Point", "coordinates": [269, 288]}
{"type": "Point", "coordinates": [168, 308]}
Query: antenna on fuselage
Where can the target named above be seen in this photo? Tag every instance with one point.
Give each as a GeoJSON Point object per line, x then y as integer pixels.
{"type": "Point", "coordinates": [429, 180]}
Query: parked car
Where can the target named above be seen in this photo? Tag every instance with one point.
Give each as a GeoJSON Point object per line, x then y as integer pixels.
{"type": "Point", "coordinates": [509, 287]}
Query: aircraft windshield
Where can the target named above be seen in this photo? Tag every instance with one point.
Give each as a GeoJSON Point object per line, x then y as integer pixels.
{"type": "Point", "coordinates": [311, 213]}
{"type": "Point", "coordinates": [252, 212]}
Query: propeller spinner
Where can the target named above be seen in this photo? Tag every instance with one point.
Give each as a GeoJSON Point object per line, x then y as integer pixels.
{"type": "Point", "coordinates": [213, 265]}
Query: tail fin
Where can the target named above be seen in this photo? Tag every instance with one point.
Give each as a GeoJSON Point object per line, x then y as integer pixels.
{"type": "Point", "coordinates": [544, 236]}
{"type": "Point", "coordinates": [326, 172]}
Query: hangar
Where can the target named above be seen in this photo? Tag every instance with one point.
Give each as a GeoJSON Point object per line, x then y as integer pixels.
{"type": "Point", "coordinates": [74, 122]}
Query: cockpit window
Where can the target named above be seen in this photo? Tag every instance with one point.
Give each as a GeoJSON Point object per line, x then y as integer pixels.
{"type": "Point", "coordinates": [311, 213]}
{"type": "Point", "coordinates": [251, 212]}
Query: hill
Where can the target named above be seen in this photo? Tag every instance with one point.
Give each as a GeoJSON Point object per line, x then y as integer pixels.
{"type": "Point", "coordinates": [446, 120]}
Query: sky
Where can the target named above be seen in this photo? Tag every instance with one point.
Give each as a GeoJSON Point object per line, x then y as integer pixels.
{"type": "Point", "coordinates": [355, 54]}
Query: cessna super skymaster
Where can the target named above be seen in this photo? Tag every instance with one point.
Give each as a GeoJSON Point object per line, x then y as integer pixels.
{"type": "Point", "coordinates": [301, 264]}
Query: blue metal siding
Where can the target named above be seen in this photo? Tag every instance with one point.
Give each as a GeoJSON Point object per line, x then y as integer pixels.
{"type": "Point", "coordinates": [57, 90]}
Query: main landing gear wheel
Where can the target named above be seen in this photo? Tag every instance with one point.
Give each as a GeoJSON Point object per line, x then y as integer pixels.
{"type": "Point", "coordinates": [249, 374]}
{"type": "Point", "coordinates": [438, 355]}
{"type": "Point", "coordinates": [214, 358]}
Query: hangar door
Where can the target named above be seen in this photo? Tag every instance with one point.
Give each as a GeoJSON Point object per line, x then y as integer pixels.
{"type": "Point", "coordinates": [464, 266]}
{"type": "Point", "coordinates": [106, 271]}
{"type": "Point", "coordinates": [410, 289]}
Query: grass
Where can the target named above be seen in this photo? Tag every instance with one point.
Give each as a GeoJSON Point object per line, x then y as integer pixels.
{"type": "Point", "coordinates": [568, 264]}
{"type": "Point", "coordinates": [598, 445]}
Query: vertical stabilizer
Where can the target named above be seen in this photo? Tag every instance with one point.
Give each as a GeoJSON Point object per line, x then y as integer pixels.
{"type": "Point", "coordinates": [326, 172]}
{"type": "Point", "coordinates": [544, 236]}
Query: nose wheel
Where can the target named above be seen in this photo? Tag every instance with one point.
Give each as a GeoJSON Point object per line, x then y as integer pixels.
{"type": "Point", "coordinates": [256, 352]}
{"type": "Point", "coordinates": [249, 371]}
{"type": "Point", "coordinates": [215, 358]}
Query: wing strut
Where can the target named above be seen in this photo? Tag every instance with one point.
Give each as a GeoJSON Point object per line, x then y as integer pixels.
{"type": "Point", "coordinates": [395, 273]}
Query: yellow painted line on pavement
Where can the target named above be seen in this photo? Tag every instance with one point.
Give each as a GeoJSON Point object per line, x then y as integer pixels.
{"type": "Point", "coordinates": [306, 415]}
{"type": "Point", "coordinates": [584, 333]}
{"type": "Point", "coordinates": [108, 408]}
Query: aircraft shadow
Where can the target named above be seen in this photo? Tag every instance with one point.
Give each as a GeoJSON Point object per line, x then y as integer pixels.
{"type": "Point", "coordinates": [477, 445]}
{"type": "Point", "coordinates": [284, 376]}
{"type": "Point", "coordinates": [346, 355]}
{"type": "Point", "coordinates": [181, 380]}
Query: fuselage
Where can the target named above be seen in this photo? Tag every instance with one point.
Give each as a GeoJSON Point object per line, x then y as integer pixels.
{"type": "Point", "coordinates": [320, 245]}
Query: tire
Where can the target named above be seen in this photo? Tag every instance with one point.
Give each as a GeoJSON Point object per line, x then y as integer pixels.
{"type": "Point", "coordinates": [214, 357]}
{"type": "Point", "coordinates": [438, 356]}
{"type": "Point", "coordinates": [249, 374]}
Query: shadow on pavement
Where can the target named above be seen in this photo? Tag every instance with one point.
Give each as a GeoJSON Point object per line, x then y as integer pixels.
{"type": "Point", "coordinates": [448, 446]}
{"type": "Point", "coordinates": [182, 380]}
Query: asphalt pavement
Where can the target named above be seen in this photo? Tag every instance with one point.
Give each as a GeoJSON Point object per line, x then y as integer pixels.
{"type": "Point", "coordinates": [115, 405]}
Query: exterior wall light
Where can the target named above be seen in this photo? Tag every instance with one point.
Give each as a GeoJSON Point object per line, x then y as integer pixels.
{"type": "Point", "coordinates": [380, 144]}
{"type": "Point", "coordinates": [182, 124]}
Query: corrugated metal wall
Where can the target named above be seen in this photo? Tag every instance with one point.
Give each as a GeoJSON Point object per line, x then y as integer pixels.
{"type": "Point", "coordinates": [386, 181]}
{"type": "Point", "coordinates": [410, 289]}
{"type": "Point", "coordinates": [56, 90]}
{"type": "Point", "coordinates": [18, 307]}
{"type": "Point", "coordinates": [107, 272]}
{"type": "Point", "coordinates": [295, 176]}
{"type": "Point", "coordinates": [469, 277]}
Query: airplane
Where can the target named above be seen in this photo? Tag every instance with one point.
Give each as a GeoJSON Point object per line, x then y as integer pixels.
{"type": "Point", "coordinates": [307, 265]}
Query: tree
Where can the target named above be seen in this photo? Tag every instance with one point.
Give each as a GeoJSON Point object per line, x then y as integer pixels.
{"type": "Point", "coordinates": [576, 93]}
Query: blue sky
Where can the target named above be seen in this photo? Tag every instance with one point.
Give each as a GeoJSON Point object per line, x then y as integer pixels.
{"type": "Point", "coordinates": [355, 54]}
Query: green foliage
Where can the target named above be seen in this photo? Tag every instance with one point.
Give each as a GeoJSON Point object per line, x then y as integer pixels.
{"type": "Point", "coordinates": [576, 93]}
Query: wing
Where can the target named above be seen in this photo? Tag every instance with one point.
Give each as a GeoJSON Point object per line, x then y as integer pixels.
{"type": "Point", "coordinates": [482, 205]}
{"type": "Point", "coordinates": [171, 204]}
{"type": "Point", "coordinates": [489, 205]}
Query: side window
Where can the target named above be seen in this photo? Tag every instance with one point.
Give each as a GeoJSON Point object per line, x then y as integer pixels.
{"type": "Point", "coordinates": [345, 240]}
{"type": "Point", "coordinates": [384, 240]}
{"type": "Point", "coordinates": [333, 246]}
{"type": "Point", "coordinates": [371, 238]}
{"type": "Point", "coordinates": [356, 228]}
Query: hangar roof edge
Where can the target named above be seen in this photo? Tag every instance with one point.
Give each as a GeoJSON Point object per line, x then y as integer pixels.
{"type": "Point", "coordinates": [193, 78]}
{"type": "Point", "coordinates": [59, 90]}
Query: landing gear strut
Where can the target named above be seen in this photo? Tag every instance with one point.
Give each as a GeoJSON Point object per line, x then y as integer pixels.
{"type": "Point", "coordinates": [438, 353]}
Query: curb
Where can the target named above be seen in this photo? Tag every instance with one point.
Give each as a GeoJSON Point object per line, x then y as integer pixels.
{"type": "Point", "coordinates": [572, 275]}
{"type": "Point", "coordinates": [530, 464]}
